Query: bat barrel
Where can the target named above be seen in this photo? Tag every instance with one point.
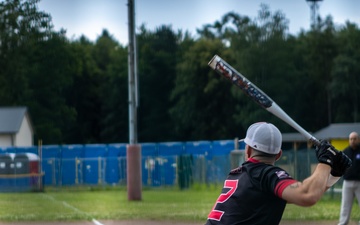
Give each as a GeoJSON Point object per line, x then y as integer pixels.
{"type": "Point", "coordinates": [225, 70]}
{"type": "Point", "coordinates": [250, 89]}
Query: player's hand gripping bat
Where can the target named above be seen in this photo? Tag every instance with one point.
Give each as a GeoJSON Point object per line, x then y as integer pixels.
{"type": "Point", "coordinates": [224, 69]}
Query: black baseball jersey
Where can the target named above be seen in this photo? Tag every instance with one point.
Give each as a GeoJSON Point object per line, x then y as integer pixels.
{"type": "Point", "coordinates": [353, 173]}
{"type": "Point", "coordinates": [251, 195]}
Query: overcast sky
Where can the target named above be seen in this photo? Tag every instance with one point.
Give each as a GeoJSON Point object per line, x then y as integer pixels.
{"type": "Point", "coordinates": [90, 17]}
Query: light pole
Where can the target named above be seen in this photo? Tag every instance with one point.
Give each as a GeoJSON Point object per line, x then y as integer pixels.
{"type": "Point", "coordinates": [133, 149]}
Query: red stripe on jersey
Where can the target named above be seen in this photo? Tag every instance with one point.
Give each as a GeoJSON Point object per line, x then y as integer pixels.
{"type": "Point", "coordinates": [253, 160]}
{"type": "Point", "coordinates": [282, 185]}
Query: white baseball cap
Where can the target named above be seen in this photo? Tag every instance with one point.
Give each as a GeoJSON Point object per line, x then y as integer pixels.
{"type": "Point", "coordinates": [264, 137]}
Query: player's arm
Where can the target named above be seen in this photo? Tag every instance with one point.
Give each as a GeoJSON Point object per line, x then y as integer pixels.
{"type": "Point", "coordinates": [308, 192]}
{"type": "Point", "coordinates": [332, 165]}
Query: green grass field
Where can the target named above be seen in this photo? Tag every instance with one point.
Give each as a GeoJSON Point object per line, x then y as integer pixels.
{"type": "Point", "coordinates": [157, 204]}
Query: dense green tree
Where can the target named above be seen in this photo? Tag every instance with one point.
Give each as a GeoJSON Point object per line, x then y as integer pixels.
{"type": "Point", "coordinates": [264, 54]}
{"type": "Point", "coordinates": [35, 66]}
{"type": "Point", "coordinates": [95, 93]}
{"type": "Point", "coordinates": [114, 95]}
{"type": "Point", "coordinates": [261, 50]}
{"type": "Point", "coordinates": [77, 91]}
{"type": "Point", "coordinates": [345, 83]}
{"type": "Point", "coordinates": [157, 57]}
{"type": "Point", "coordinates": [102, 53]}
{"type": "Point", "coordinates": [318, 50]}
{"type": "Point", "coordinates": [50, 74]}
{"type": "Point", "coordinates": [204, 104]}
{"type": "Point", "coordinates": [81, 93]}
{"type": "Point", "coordinates": [22, 28]}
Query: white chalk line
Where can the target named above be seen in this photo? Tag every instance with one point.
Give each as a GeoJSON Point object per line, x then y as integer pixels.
{"type": "Point", "coordinates": [72, 207]}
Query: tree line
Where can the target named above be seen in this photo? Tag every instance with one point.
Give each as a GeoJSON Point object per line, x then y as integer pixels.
{"type": "Point", "coordinates": [76, 90]}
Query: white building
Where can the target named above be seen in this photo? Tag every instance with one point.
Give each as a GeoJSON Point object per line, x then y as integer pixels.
{"type": "Point", "coordinates": [15, 127]}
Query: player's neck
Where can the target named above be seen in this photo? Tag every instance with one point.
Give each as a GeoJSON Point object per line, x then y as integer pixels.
{"type": "Point", "coordinates": [264, 159]}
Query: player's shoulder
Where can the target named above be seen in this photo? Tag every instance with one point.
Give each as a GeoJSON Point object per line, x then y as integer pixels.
{"type": "Point", "coordinates": [271, 172]}
{"type": "Point", "coordinates": [274, 169]}
{"type": "Point", "coordinates": [281, 173]}
{"type": "Point", "coordinates": [258, 169]}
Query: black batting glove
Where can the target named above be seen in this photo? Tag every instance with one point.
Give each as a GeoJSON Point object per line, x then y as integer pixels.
{"type": "Point", "coordinates": [326, 153]}
{"type": "Point", "coordinates": [341, 164]}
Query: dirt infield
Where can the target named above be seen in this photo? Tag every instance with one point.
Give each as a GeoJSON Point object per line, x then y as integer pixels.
{"type": "Point", "coordinates": [142, 222]}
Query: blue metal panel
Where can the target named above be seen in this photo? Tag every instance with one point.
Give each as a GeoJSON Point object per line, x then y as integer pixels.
{"type": "Point", "coordinates": [93, 163]}
{"type": "Point", "coordinates": [241, 145]}
{"type": "Point", "coordinates": [51, 164]}
{"type": "Point", "coordinates": [198, 147]}
{"type": "Point", "coordinates": [149, 149]}
{"type": "Point", "coordinates": [116, 164]}
{"type": "Point", "coordinates": [222, 147]}
{"type": "Point", "coordinates": [31, 149]}
{"type": "Point", "coordinates": [220, 165]}
{"type": "Point", "coordinates": [71, 168]}
{"type": "Point", "coordinates": [94, 150]}
{"type": "Point", "coordinates": [8, 149]}
{"type": "Point", "coordinates": [117, 150]}
{"type": "Point", "coordinates": [171, 148]}
{"type": "Point", "coordinates": [149, 153]}
{"type": "Point", "coordinates": [168, 152]}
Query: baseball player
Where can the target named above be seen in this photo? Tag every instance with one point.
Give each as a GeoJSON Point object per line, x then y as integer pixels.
{"type": "Point", "coordinates": [257, 191]}
{"type": "Point", "coordinates": [351, 184]}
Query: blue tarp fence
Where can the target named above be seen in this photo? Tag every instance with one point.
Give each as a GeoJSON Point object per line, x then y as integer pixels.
{"type": "Point", "coordinates": [164, 163]}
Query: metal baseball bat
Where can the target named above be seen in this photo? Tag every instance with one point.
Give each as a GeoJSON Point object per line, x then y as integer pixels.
{"type": "Point", "coordinates": [256, 94]}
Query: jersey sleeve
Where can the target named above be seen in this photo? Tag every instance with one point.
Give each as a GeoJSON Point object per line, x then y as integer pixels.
{"type": "Point", "coordinates": [276, 180]}
{"type": "Point", "coordinates": [281, 185]}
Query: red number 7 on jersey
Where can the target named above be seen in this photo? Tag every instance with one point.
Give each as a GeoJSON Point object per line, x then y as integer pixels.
{"type": "Point", "coordinates": [217, 214]}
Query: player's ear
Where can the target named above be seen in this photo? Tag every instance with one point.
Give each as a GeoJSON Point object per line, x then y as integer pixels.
{"type": "Point", "coordinates": [278, 155]}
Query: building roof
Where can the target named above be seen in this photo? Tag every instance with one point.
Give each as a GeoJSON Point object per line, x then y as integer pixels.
{"type": "Point", "coordinates": [11, 119]}
{"type": "Point", "coordinates": [293, 137]}
{"type": "Point", "coordinates": [338, 131]}
{"type": "Point", "coordinates": [333, 131]}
